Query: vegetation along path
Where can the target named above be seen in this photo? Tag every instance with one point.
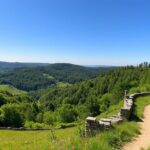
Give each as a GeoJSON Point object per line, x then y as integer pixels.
{"type": "Point", "coordinates": [143, 140]}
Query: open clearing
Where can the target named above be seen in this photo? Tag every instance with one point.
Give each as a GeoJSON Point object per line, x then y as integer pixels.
{"type": "Point", "coordinates": [32, 140]}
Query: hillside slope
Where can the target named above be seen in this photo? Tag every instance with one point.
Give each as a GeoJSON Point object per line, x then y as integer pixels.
{"type": "Point", "coordinates": [9, 94]}
{"type": "Point", "coordinates": [99, 94]}
{"type": "Point", "coordinates": [41, 77]}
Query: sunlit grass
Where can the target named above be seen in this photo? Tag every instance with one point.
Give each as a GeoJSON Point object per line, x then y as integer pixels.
{"type": "Point", "coordinates": [69, 139]}
{"type": "Point", "coordinates": [140, 104]}
{"type": "Point", "coordinates": [112, 110]}
{"type": "Point", "coordinates": [32, 140]}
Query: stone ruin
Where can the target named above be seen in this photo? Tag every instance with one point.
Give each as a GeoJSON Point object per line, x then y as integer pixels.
{"type": "Point", "coordinates": [92, 124]}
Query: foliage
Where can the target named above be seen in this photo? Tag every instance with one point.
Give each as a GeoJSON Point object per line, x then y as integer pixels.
{"type": "Point", "coordinates": [49, 118]}
{"type": "Point", "coordinates": [30, 124]}
{"type": "Point", "coordinates": [11, 116]}
{"type": "Point", "coordinates": [9, 94]}
{"type": "Point", "coordinates": [69, 138]}
{"type": "Point", "coordinates": [97, 95]}
{"type": "Point", "coordinates": [106, 101]}
{"type": "Point", "coordinates": [69, 103]}
{"type": "Point", "coordinates": [34, 78]}
{"type": "Point", "coordinates": [112, 110]}
{"type": "Point", "coordinates": [67, 113]}
{"type": "Point", "coordinates": [140, 104]}
{"type": "Point", "coordinates": [65, 125]}
{"type": "Point", "coordinates": [141, 88]}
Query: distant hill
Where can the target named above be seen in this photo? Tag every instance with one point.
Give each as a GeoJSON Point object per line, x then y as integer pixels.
{"type": "Point", "coordinates": [13, 65]}
{"type": "Point", "coordinates": [34, 78]}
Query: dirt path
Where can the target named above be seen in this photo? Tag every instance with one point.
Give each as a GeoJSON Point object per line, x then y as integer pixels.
{"type": "Point", "coordinates": [143, 140]}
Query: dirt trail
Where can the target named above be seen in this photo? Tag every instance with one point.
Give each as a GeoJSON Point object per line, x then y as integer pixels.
{"type": "Point", "coordinates": [143, 140]}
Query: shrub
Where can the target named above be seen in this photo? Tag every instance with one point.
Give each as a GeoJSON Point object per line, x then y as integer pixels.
{"type": "Point", "coordinates": [12, 116]}
{"type": "Point", "coordinates": [67, 113]}
{"type": "Point", "coordinates": [49, 118]}
{"type": "Point", "coordinates": [31, 124]}
{"type": "Point", "coordinates": [106, 100]}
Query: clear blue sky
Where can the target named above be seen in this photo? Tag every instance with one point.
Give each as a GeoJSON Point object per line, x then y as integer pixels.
{"type": "Point", "coordinates": [111, 32]}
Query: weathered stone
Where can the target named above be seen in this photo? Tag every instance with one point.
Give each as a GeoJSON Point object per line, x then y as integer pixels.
{"type": "Point", "coordinates": [124, 114]}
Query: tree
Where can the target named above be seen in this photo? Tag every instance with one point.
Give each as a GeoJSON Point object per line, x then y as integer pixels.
{"type": "Point", "coordinates": [106, 100]}
{"type": "Point", "coordinates": [2, 100]}
{"type": "Point", "coordinates": [11, 116]}
{"type": "Point", "coordinates": [93, 106]}
{"type": "Point", "coordinates": [67, 113]}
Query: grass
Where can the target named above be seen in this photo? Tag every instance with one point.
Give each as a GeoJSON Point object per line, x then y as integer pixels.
{"type": "Point", "coordinates": [69, 139]}
{"type": "Point", "coordinates": [140, 104]}
{"type": "Point", "coordinates": [32, 140]}
{"type": "Point", "coordinates": [112, 110]}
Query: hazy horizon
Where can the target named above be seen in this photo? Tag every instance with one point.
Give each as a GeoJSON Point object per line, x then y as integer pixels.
{"type": "Point", "coordinates": [90, 65]}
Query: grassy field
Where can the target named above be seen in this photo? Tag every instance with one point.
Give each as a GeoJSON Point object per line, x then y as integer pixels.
{"type": "Point", "coordinates": [69, 139]}
{"type": "Point", "coordinates": [33, 140]}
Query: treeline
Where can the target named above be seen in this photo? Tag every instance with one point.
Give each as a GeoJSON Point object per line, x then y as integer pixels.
{"type": "Point", "coordinates": [70, 103]}
{"type": "Point", "coordinates": [35, 78]}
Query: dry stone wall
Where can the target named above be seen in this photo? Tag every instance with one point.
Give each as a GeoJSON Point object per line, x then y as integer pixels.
{"type": "Point", "coordinates": [92, 124]}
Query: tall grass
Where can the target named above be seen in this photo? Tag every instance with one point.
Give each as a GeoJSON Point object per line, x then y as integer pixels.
{"type": "Point", "coordinates": [108, 140]}
{"type": "Point", "coordinates": [69, 139]}
{"type": "Point", "coordinates": [140, 104]}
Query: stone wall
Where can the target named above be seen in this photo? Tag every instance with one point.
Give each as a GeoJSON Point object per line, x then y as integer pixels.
{"type": "Point", "coordinates": [92, 124]}
{"type": "Point", "coordinates": [126, 110]}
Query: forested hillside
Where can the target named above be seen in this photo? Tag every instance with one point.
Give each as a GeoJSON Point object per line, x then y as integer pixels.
{"type": "Point", "coordinates": [11, 66]}
{"type": "Point", "coordinates": [34, 78]}
{"type": "Point", "coordinates": [96, 96]}
{"type": "Point", "coordinates": [70, 103]}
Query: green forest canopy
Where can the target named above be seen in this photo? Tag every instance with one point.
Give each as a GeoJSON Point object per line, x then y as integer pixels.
{"type": "Point", "coordinates": [67, 104]}
{"type": "Point", "coordinates": [34, 78]}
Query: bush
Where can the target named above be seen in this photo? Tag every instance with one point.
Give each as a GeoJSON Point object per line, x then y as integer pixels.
{"type": "Point", "coordinates": [143, 88]}
{"type": "Point", "coordinates": [49, 118]}
{"type": "Point", "coordinates": [31, 124]}
{"type": "Point", "coordinates": [66, 125]}
{"type": "Point", "coordinates": [12, 116]}
{"type": "Point", "coordinates": [67, 113]}
{"type": "Point", "coordinates": [39, 117]}
{"type": "Point", "coordinates": [82, 111]}
{"type": "Point", "coordinates": [106, 100]}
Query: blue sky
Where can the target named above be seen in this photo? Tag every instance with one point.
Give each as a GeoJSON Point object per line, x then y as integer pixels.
{"type": "Point", "coordinates": [97, 32]}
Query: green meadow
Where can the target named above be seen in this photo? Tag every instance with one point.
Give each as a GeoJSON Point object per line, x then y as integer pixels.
{"type": "Point", "coordinates": [69, 139]}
